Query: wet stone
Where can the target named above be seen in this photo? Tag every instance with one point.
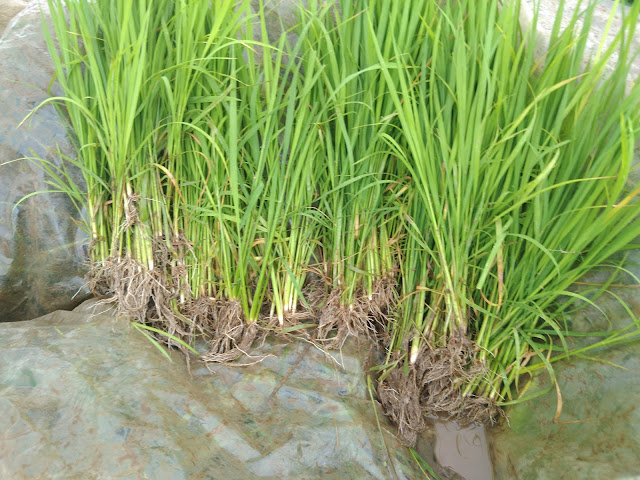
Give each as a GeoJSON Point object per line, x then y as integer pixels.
{"type": "Point", "coordinates": [597, 434]}
{"type": "Point", "coordinates": [85, 394]}
{"type": "Point", "coordinates": [42, 250]}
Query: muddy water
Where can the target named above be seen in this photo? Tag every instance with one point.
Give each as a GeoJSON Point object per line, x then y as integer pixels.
{"type": "Point", "coordinates": [456, 453]}
{"type": "Point", "coordinates": [463, 450]}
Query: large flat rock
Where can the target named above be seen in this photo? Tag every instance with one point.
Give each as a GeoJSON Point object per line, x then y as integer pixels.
{"type": "Point", "coordinates": [85, 396]}
{"type": "Point", "coordinates": [597, 434]}
{"type": "Point", "coordinates": [42, 249]}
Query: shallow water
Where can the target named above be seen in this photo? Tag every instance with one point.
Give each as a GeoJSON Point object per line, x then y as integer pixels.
{"type": "Point", "coordinates": [463, 450]}
{"type": "Point", "coordinates": [456, 453]}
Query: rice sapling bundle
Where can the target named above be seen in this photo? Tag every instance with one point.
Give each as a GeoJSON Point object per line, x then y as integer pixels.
{"type": "Point", "coordinates": [294, 158]}
{"type": "Point", "coordinates": [260, 203]}
{"type": "Point", "coordinates": [205, 85]}
{"type": "Point", "coordinates": [446, 187]}
{"type": "Point", "coordinates": [114, 62]}
{"type": "Point", "coordinates": [519, 191]}
{"type": "Point", "coordinates": [362, 183]}
{"type": "Point", "coordinates": [202, 216]}
{"type": "Point", "coordinates": [103, 65]}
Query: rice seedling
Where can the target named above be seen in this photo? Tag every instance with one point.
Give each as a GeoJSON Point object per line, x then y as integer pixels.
{"type": "Point", "coordinates": [362, 183]}
{"type": "Point", "coordinates": [405, 170]}
{"type": "Point", "coordinates": [293, 156]}
{"type": "Point", "coordinates": [274, 225]}
{"type": "Point", "coordinates": [205, 183]}
{"type": "Point", "coordinates": [133, 74]}
{"type": "Point", "coordinates": [103, 66]}
{"type": "Point", "coordinates": [519, 191]}
{"type": "Point", "coordinates": [206, 207]}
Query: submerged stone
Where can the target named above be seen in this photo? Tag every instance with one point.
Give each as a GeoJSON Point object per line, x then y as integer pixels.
{"type": "Point", "coordinates": [598, 433]}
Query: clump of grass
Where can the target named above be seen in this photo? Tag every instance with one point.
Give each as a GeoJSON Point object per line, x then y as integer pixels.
{"type": "Point", "coordinates": [519, 191]}
{"type": "Point", "coordinates": [363, 187]}
{"type": "Point", "coordinates": [204, 214]}
{"type": "Point", "coordinates": [133, 74]}
{"type": "Point", "coordinates": [405, 171]}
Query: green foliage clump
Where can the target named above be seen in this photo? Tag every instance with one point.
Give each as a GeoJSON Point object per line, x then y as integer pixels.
{"type": "Point", "coordinates": [406, 170]}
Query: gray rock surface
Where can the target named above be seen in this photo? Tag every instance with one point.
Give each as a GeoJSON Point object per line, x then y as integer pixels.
{"type": "Point", "coordinates": [599, 32]}
{"type": "Point", "coordinates": [83, 395]}
{"type": "Point", "coordinates": [603, 11]}
{"type": "Point", "coordinates": [8, 10]}
{"type": "Point", "coordinates": [598, 432]}
{"type": "Point", "coordinates": [41, 247]}
{"type": "Point", "coordinates": [597, 435]}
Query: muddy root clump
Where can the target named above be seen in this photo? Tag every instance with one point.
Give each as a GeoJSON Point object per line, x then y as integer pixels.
{"type": "Point", "coordinates": [380, 304]}
{"type": "Point", "coordinates": [354, 320]}
{"type": "Point", "coordinates": [127, 282]}
{"type": "Point", "coordinates": [160, 297]}
{"type": "Point", "coordinates": [306, 312]}
{"type": "Point", "coordinates": [366, 317]}
{"type": "Point", "coordinates": [228, 334]}
{"type": "Point", "coordinates": [433, 386]}
{"type": "Point", "coordinates": [147, 294]}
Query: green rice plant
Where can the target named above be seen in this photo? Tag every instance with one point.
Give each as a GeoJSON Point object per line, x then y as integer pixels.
{"type": "Point", "coordinates": [134, 74]}
{"type": "Point", "coordinates": [103, 65]}
{"type": "Point", "coordinates": [209, 189]}
{"type": "Point", "coordinates": [206, 206]}
{"type": "Point", "coordinates": [519, 191]}
{"type": "Point", "coordinates": [293, 156]}
{"type": "Point", "coordinates": [406, 169]}
{"type": "Point", "coordinates": [261, 201]}
{"type": "Point", "coordinates": [362, 182]}
{"type": "Point", "coordinates": [143, 330]}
